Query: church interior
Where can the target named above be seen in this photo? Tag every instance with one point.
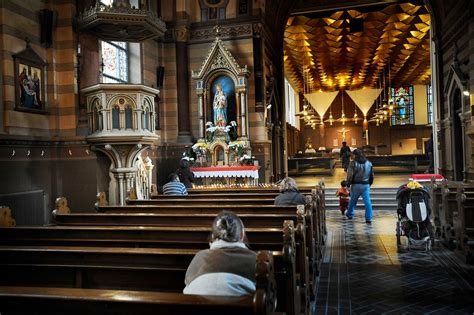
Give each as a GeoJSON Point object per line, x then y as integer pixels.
{"type": "Point", "coordinates": [101, 100]}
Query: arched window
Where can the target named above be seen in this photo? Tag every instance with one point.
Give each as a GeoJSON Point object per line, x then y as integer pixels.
{"type": "Point", "coordinates": [146, 119]}
{"type": "Point", "coordinates": [116, 117]}
{"type": "Point", "coordinates": [128, 118]}
{"type": "Point", "coordinates": [96, 119]}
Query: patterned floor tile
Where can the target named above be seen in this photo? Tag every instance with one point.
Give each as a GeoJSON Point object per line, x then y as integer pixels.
{"type": "Point", "coordinates": [364, 273]}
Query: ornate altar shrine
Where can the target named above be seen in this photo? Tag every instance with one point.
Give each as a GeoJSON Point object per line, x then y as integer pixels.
{"type": "Point", "coordinates": [221, 86]}
{"type": "Point", "coordinates": [229, 173]}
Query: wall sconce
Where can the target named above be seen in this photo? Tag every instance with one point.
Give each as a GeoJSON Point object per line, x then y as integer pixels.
{"type": "Point", "coordinates": [465, 92]}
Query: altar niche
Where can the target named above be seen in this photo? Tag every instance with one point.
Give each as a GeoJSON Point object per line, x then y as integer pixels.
{"type": "Point", "coordinates": [222, 105]}
{"type": "Point", "coordinates": [221, 73]}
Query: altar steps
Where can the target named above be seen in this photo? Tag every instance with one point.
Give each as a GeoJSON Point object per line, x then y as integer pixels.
{"type": "Point", "coordinates": [382, 199]}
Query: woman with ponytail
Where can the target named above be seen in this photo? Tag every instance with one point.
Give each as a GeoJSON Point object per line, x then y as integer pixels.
{"type": "Point", "coordinates": [228, 267]}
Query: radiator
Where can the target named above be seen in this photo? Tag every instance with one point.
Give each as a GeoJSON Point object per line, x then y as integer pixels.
{"type": "Point", "coordinates": [28, 208]}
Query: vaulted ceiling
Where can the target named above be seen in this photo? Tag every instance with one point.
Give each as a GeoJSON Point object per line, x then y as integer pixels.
{"type": "Point", "coordinates": [335, 52]}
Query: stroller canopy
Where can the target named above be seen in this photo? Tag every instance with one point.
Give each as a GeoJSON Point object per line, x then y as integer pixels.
{"type": "Point", "coordinates": [404, 194]}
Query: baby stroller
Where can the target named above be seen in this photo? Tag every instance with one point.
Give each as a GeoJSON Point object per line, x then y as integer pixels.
{"type": "Point", "coordinates": [414, 217]}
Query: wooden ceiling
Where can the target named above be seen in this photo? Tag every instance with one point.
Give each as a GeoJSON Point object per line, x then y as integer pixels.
{"type": "Point", "coordinates": [327, 55]}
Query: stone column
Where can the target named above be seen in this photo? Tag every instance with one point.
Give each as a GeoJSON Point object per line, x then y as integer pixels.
{"type": "Point", "coordinates": [436, 103]}
{"type": "Point", "coordinates": [201, 115]}
{"type": "Point", "coordinates": [120, 178]}
{"type": "Point", "coordinates": [243, 114]}
{"type": "Point", "coordinates": [184, 130]}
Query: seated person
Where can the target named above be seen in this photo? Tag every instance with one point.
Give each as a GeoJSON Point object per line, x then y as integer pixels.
{"type": "Point", "coordinates": [186, 176]}
{"type": "Point", "coordinates": [174, 186]}
{"type": "Point", "coordinates": [289, 194]}
{"type": "Point", "coordinates": [228, 267]}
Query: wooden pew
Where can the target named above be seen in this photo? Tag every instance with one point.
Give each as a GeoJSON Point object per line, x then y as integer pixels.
{"type": "Point", "coordinates": [453, 210]}
{"type": "Point", "coordinates": [442, 202]}
{"type": "Point", "coordinates": [270, 215]}
{"type": "Point", "coordinates": [189, 218]}
{"type": "Point", "coordinates": [447, 211]}
{"type": "Point", "coordinates": [131, 236]}
{"type": "Point", "coordinates": [46, 300]}
{"type": "Point", "coordinates": [179, 218]}
{"type": "Point", "coordinates": [204, 199]}
{"type": "Point", "coordinates": [256, 192]}
{"type": "Point", "coordinates": [436, 205]}
{"type": "Point", "coordinates": [249, 196]}
{"type": "Point", "coordinates": [114, 268]}
{"type": "Point", "coordinates": [311, 165]}
{"type": "Point", "coordinates": [317, 223]}
{"type": "Point", "coordinates": [464, 222]}
{"type": "Point", "coordinates": [243, 190]}
{"type": "Point", "coordinates": [270, 211]}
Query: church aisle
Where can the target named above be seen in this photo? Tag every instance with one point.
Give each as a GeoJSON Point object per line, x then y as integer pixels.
{"type": "Point", "coordinates": [381, 180]}
{"type": "Point", "coordinates": [362, 273]}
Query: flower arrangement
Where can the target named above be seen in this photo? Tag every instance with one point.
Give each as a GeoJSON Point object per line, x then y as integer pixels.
{"type": "Point", "coordinates": [237, 146]}
{"type": "Point", "coordinates": [229, 132]}
{"type": "Point", "coordinates": [200, 148]}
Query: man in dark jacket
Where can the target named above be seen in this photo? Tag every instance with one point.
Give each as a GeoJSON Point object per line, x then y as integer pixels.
{"type": "Point", "coordinates": [360, 176]}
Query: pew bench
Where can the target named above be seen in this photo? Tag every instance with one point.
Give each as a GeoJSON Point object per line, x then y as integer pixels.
{"type": "Point", "coordinates": [464, 222]}
{"type": "Point", "coordinates": [237, 201]}
{"type": "Point", "coordinates": [53, 300]}
{"type": "Point", "coordinates": [59, 301]}
{"type": "Point", "coordinates": [131, 237]}
{"type": "Point", "coordinates": [119, 268]}
{"type": "Point", "coordinates": [191, 219]}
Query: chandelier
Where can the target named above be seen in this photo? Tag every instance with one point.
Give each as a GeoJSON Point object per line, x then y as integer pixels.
{"type": "Point", "coordinates": [309, 114]}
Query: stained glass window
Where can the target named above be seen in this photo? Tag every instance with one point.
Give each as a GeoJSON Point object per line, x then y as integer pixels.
{"type": "Point", "coordinates": [146, 120]}
{"type": "Point", "coordinates": [116, 117]}
{"type": "Point", "coordinates": [115, 62]}
{"type": "Point", "coordinates": [128, 118]}
{"type": "Point", "coordinates": [403, 112]}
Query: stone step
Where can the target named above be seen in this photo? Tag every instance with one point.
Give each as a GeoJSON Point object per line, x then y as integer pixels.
{"type": "Point", "coordinates": [360, 205]}
{"type": "Point", "coordinates": [382, 199]}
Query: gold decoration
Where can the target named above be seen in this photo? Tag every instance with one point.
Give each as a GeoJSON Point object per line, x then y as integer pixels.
{"type": "Point", "coordinates": [340, 60]}
{"type": "Point", "coordinates": [6, 219]}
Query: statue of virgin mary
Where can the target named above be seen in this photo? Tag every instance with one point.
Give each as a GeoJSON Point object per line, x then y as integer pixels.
{"type": "Point", "coordinates": [220, 107]}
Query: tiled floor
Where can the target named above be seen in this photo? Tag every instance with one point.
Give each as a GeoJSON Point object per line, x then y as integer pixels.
{"type": "Point", "coordinates": [380, 180]}
{"type": "Point", "coordinates": [362, 272]}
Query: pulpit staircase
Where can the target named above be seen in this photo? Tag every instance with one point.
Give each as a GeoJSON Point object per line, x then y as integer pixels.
{"type": "Point", "coordinates": [382, 199]}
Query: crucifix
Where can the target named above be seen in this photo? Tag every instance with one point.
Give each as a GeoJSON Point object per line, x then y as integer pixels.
{"type": "Point", "coordinates": [343, 132]}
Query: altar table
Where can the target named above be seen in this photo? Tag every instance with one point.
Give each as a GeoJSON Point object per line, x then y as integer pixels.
{"type": "Point", "coordinates": [227, 172]}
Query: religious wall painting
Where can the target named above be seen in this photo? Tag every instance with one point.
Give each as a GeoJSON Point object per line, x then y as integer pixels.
{"type": "Point", "coordinates": [403, 105]}
{"type": "Point", "coordinates": [223, 102]}
{"type": "Point", "coordinates": [29, 81]}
